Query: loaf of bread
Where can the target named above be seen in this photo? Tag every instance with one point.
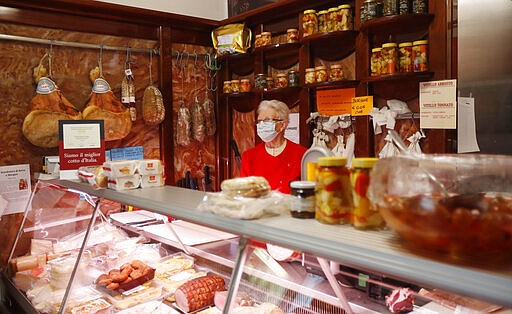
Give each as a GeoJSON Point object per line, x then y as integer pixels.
{"type": "Point", "coordinates": [252, 186]}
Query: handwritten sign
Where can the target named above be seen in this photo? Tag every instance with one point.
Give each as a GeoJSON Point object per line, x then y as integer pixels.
{"type": "Point", "coordinates": [361, 106]}
{"type": "Point", "coordinates": [335, 102]}
{"type": "Point", "coordinates": [438, 104]}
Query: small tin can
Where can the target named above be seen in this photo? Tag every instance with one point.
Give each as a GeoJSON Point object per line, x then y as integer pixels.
{"type": "Point", "coordinates": [260, 82]}
{"type": "Point", "coordinates": [226, 87]}
{"type": "Point", "coordinates": [322, 22]}
{"type": "Point", "coordinates": [292, 35]}
{"type": "Point", "coordinates": [257, 41]}
{"type": "Point", "coordinates": [404, 7]}
{"type": "Point", "coordinates": [245, 85]}
{"type": "Point", "coordinates": [420, 6]}
{"type": "Point", "coordinates": [303, 204]}
{"type": "Point", "coordinates": [420, 55]}
{"type": "Point", "coordinates": [309, 23]}
{"type": "Point", "coordinates": [235, 86]}
{"type": "Point", "coordinates": [293, 78]}
{"type": "Point", "coordinates": [376, 62]}
{"type": "Point", "coordinates": [405, 56]}
{"type": "Point", "coordinates": [281, 80]}
{"type": "Point", "coordinates": [333, 195]}
{"type": "Point", "coordinates": [390, 7]}
{"type": "Point", "coordinates": [345, 21]}
{"type": "Point", "coordinates": [270, 82]}
{"type": "Point", "coordinates": [266, 38]}
{"type": "Point", "coordinates": [335, 73]}
{"type": "Point", "coordinates": [389, 55]}
{"type": "Point", "coordinates": [309, 77]}
{"type": "Point", "coordinates": [364, 216]}
{"type": "Point", "coordinates": [321, 74]}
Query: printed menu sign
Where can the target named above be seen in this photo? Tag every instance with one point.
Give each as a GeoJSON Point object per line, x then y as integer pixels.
{"type": "Point", "coordinates": [335, 101]}
{"type": "Point", "coordinates": [438, 104]}
{"type": "Point", "coordinates": [81, 143]}
{"type": "Point", "coordinates": [14, 188]}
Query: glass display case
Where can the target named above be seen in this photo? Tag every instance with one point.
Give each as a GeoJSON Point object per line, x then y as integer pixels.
{"type": "Point", "coordinates": [76, 244]}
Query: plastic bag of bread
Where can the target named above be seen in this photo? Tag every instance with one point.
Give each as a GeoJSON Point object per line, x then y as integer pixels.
{"type": "Point", "coordinates": [94, 175]}
{"type": "Point", "coordinates": [252, 186]}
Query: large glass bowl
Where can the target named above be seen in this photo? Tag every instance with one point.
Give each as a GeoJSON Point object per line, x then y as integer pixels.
{"type": "Point", "coordinates": [456, 204]}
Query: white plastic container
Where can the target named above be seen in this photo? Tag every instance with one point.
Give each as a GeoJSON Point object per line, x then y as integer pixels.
{"type": "Point", "coordinates": [150, 166]}
{"type": "Point", "coordinates": [124, 183]}
{"type": "Point", "coordinates": [151, 180]}
{"type": "Point", "coordinates": [119, 169]}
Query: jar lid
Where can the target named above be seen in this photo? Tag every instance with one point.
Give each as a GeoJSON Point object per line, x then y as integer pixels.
{"type": "Point", "coordinates": [310, 70]}
{"type": "Point", "coordinates": [406, 44]}
{"type": "Point", "coordinates": [310, 11]}
{"type": "Point", "coordinates": [376, 49]}
{"type": "Point", "coordinates": [332, 161]}
{"type": "Point", "coordinates": [322, 12]}
{"type": "Point", "coordinates": [321, 67]}
{"type": "Point", "coordinates": [245, 80]}
{"type": "Point", "coordinates": [270, 78]}
{"type": "Point", "coordinates": [302, 184]}
{"type": "Point", "coordinates": [258, 36]}
{"type": "Point", "coordinates": [291, 30]}
{"type": "Point", "coordinates": [292, 72]}
{"type": "Point", "coordinates": [344, 6]}
{"type": "Point", "coordinates": [420, 42]}
{"type": "Point", "coordinates": [227, 82]}
{"type": "Point", "coordinates": [388, 45]}
{"type": "Point", "coordinates": [336, 66]}
{"type": "Point", "coordinates": [266, 33]}
{"type": "Point", "coordinates": [235, 81]}
{"type": "Point", "coordinates": [332, 9]}
{"type": "Point", "coordinates": [364, 162]}
{"type": "Point", "coordinates": [260, 74]}
{"type": "Point", "coordinates": [281, 75]}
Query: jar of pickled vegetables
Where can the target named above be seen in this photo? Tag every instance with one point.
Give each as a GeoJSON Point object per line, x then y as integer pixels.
{"type": "Point", "coordinates": [257, 41]}
{"type": "Point", "coordinates": [309, 23]}
{"type": "Point", "coordinates": [270, 82]}
{"type": "Point", "coordinates": [420, 55]}
{"type": "Point", "coordinates": [235, 86]}
{"type": "Point", "coordinates": [310, 76]}
{"type": "Point", "coordinates": [345, 21]}
{"type": "Point", "coordinates": [335, 73]}
{"type": "Point", "coordinates": [260, 82]}
{"type": "Point", "coordinates": [420, 6]}
{"type": "Point", "coordinates": [376, 62]}
{"type": "Point", "coordinates": [331, 18]}
{"type": "Point", "coordinates": [281, 80]}
{"type": "Point", "coordinates": [322, 22]}
{"type": "Point", "coordinates": [266, 38]}
{"type": "Point", "coordinates": [292, 35]}
{"type": "Point", "coordinates": [226, 87]}
{"type": "Point", "coordinates": [293, 78]}
{"type": "Point", "coordinates": [403, 7]}
{"type": "Point", "coordinates": [389, 55]}
{"type": "Point", "coordinates": [303, 203]}
{"type": "Point", "coordinates": [373, 9]}
{"type": "Point", "coordinates": [321, 74]}
{"type": "Point", "coordinates": [364, 216]}
{"type": "Point", "coordinates": [333, 194]}
{"type": "Point", "coordinates": [245, 85]}
{"type": "Point", "coordinates": [405, 56]}
{"type": "Point", "coordinates": [390, 7]}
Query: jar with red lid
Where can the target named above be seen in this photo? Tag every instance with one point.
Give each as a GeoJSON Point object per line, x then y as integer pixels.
{"type": "Point", "coordinates": [389, 55]}
{"type": "Point", "coordinates": [292, 35]}
{"type": "Point", "coordinates": [281, 80]}
{"type": "Point", "coordinates": [333, 194]}
{"type": "Point", "coordinates": [309, 23]}
{"type": "Point", "coordinates": [365, 215]}
{"type": "Point", "coordinates": [335, 73]}
{"type": "Point", "coordinates": [245, 85]}
{"type": "Point", "coordinates": [309, 77]}
{"type": "Point", "coordinates": [405, 56]}
{"type": "Point", "coordinates": [321, 74]}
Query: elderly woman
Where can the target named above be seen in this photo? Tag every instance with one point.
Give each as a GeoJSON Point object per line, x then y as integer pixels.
{"type": "Point", "coordinates": [276, 159]}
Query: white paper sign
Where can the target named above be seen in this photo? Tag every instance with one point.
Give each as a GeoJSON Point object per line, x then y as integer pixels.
{"type": "Point", "coordinates": [466, 129]}
{"type": "Point", "coordinates": [14, 188]}
{"type": "Point", "coordinates": [438, 104]}
{"type": "Point", "coordinates": [292, 131]}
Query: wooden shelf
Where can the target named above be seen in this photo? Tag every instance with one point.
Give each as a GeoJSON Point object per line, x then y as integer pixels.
{"type": "Point", "coordinates": [397, 24]}
{"type": "Point", "coordinates": [281, 56]}
{"type": "Point", "coordinates": [419, 76]}
{"type": "Point", "coordinates": [332, 46]}
{"type": "Point", "coordinates": [241, 64]}
{"type": "Point", "coordinates": [333, 85]}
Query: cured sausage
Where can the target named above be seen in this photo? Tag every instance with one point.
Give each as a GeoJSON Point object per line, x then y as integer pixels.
{"type": "Point", "coordinates": [198, 121]}
{"type": "Point", "coordinates": [183, 126]}
{"type": "Point", "coordinates": [198, 292]}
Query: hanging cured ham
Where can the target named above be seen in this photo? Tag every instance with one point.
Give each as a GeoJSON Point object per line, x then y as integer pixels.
{"type": "Point", "coordinates": [103, 105]}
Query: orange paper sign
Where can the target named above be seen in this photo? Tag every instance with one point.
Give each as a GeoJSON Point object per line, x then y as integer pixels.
{"type": "Point", "coordinates": [335, 102]}
{"type": "Point", "coordinates": [361, 106]}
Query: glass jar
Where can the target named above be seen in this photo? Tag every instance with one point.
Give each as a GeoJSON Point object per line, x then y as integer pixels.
{"type": "Point", "coordinates": [331, 18]}
{"type": "Point", "coordinates": [420, 55]}
{"type": "Point", "coordinates": [389, 55]}
{"type": "Point", "coordinates": [293, 78]}
{"type": "Point", "coordinates": [292, 35]}
{"type": "Point", "coordinates": [364, 216]}
{"type": "Point", "coordinates": [363, 13]}
{"type": "Point", "coordinates": [270, 82]}
{"type": "Point", "coordinates": [403, 7]}
{"type": "Point", "coordinates": [260, 82]}
{"type": "Point", "coordinates": [405, 56]}
{"type": "Point", "coordinates": [281, 80]}
{"type": "Point", "coordinates": [309, 23]}
{"type": "Point", "coordinates": [420, 6]}
{"type": "Point", "coordinates": [321, 74]}
{"type": "Point", "coordinates": [333, 194]}
{"type": "Point", "coordinates": [245, 85]}
{"type": "Point", "coordinates": [373, 9]}
{"type": "Point", "coordinates": [309, 77]}
{"type": "Point", "coordinates": [266, 38]}
{"type": "Point", "coordinates": [303, 204]}
{"type": "Point", "coordinates": [376, 62]}
{"type": "Point", "coordinates": [226, 87]}
{"type": "Point", "coordinates": [322, 23]}
{"type": "Point", "coordinates": [390, 7]}
{"type": "Point", "coordinates": [335, 73]}
{"type": "Point", "coordinates": [345, 21]}
{"type": "Point", "coordinates": [235, 86]}
{"type": "Point", "coordinates": [257, 41]}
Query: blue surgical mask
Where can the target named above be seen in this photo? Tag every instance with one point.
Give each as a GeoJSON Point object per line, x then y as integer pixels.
{"type": "Point", "coordinates": [266, 130]}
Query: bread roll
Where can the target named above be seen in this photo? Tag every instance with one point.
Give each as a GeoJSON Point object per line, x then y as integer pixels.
{"type": "Point", "coordinates": [247, 187]}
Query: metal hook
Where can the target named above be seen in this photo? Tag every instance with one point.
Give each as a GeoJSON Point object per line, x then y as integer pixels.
{"type": "Point", "coordinates": [195, 59]}
{"type": "Point", "coordinates": [184, 63]}
{"type": "Point", "coordinates": [214, 65]}
{"type": "Point", "coordinates": [179, 56]}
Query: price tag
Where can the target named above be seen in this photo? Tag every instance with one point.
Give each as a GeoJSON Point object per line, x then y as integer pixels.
{"type": "Point", "coordinates": [361, 106]}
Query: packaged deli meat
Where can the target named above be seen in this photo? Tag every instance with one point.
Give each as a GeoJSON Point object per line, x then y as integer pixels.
{"type": "Point", "coordinates": [124, 183]}
{"type": "Point", "coordinates": [120, 168]}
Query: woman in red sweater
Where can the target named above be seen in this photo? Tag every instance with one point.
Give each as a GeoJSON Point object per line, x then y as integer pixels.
{"type": "Point", "coordinates": [276, 159]}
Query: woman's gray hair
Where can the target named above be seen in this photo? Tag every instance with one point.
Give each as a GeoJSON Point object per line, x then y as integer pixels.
{"type": "Point", "coordinates": [280, 107]}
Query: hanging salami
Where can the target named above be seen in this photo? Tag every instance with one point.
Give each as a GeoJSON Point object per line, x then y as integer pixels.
{"type": "Point", "coordinates": [183, 128]}
{"type": "Point", "coordinates": [153, 109]}
{"type": "Point", "coordinates": [198, 121]}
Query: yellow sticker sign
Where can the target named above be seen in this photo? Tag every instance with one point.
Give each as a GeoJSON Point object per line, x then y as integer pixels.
{"type": "Point", "coordinates": [361, 106]}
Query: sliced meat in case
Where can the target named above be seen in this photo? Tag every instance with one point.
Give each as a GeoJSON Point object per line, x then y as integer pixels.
{"type": "Point", "coordinates": [199, 292]}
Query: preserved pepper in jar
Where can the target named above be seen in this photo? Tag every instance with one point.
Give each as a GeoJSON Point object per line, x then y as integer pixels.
{"type": "Point", "coordinates": [321, 74]}
{"type": "Point", "coordinates": [292, 35]}
{"type": "Point", "coordinates": [309, 23]}
{"type": "Point", "coordinates": [419, 6]}
{"type": "Point", "coordinates": [281, 80]}
{"type": "Point", "coordinates": [310, 76]}
{"type": "Point", "coordinates": [303, 204]}
{"type": "Point", "coordinates": [345, 21]}
{"type": "Point", "coordinates": [376, 62]}
{"type": "Point", "coordinates": [270, 82]}
{"type": "Point", "coordinates": [322, 22]}
{"type": "Point", "coordinates": [245, 85]}
{"type": "Point", "coordinates": [293, 78]}
{"type": "Point", "coordinates": [335, 73]}
{"type": "Point", "coordinates": [389, 58]}
{"type": "Point", "coordinates": [405, 53]}
{"type": "Point", "coordinates": [266, 38]}
{"type": "Point", "coordinates": [235, 86]}
{"type": "Point", "coordinates": [333, 195]}
{"type": "Point", "coordinates": [331, 18]}
{"type": "Point", "coordinates": [390, 7]}
{"type": "Point", "coordinates": [364, 216]}
{"type": "Point", "coordinates": [226, 87]}
{"type": "Point", "coordinates": [420, 55]}
{"type": "Point", "coordinates": [260, 82]}
{"type": "Point", "coordinates": [257, 41]}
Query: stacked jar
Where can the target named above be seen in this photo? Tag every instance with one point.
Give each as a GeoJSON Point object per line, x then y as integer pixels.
{"type": "Point", "coordinates": [389, 55]}
{"type": "Point", "coordinates": [376, 62]}
{"type": "Point", "coordinates": [405, 56]}
{"type": "Point", "coordinates": [281, 80]}
{"type": "Point", "coordinates": [370, 9]}
{"type": "Point", "coordinates": [293, 78]}
{"type": "Point", "coordinates": [309, 77]}
{"type": "Point", "coordinates": [331, 18]}
{"type": "Point", "coordinates": [344, 21]}
{"type": "Point", "coordinates": [245, 85]}
{"type": "Point", "coordinates": [322, 22]}
{"type": "Point", "coordinates": [257, 41]}
{"type": "Point", "coordinates": [266, 38]}
{"type": "Point", "coordinates": [292, 35]}
{"type": "Point", "coordinates": [321, 74]}
{"type": "Point", "coordinates": [335, 73]}
{"type": "Point", "coordinates": [309, 23]}
{"type": "Point", "coordinates": [235, 86]}
{"type": "Point", "coordinates": [420, 55]}
{"type": "Point", "coordinates": [260, 82]}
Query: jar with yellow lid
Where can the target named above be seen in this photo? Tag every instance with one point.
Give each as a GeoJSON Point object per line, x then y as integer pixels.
{"type": "Point", "coordinates": [322, 22]}
{"type": "Point", "coordinates": [245, 85]}
{"type": "Point", "coordinates": [376, 62]}
{"type": "Point", "coordinates": [292, 35]}
{"type": "Point", "coordinates": [281, 80]}
{"type": "Point", "coordinates": [345, 21]}
{"type": "Point", "coordinates": [270, 82]}
{"type": "Point", "coordinates": [309, 77]}
{"type": "Point", "coordinates": [257, 41]}
{"type": "Point", "coordinates": [333, 195]}
{"type": "Point", "coordinates": [335, 73]}
{"type": "Point", "coordinates": [321, 74]}
{"type": "Point", "coordinates": [309, 23]}
{"type": "Point", "coordinates": [389, 55]}
{"type": "Point", "coordinates": [235, 86]}
{"type": "Point", "coordinates": [226, 87]}
{"type": "Point", "coordinates": [405, 56]}
{"type": "Point", "coordinates": [260, 82]}
{"type": "Point", "coordinates": [420, 55]}
{"type": "Point", "coordinates": [266, 38]}
{"type": "Point", "coordinates": [331, 18]}
{"type": "Point", "coordinates": [365, 215]}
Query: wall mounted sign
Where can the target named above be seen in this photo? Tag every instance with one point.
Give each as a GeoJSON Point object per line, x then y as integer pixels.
{"type": "Point", "coordinates": [333, 102]}
{"type": "Point", "coordinates": [438, 104]}
{"type": "Point", "coordinates": [361, 106]}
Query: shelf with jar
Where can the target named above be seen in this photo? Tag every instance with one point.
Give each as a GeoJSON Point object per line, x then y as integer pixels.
{"type": "Point", "coordinates": [397, 23]}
